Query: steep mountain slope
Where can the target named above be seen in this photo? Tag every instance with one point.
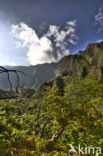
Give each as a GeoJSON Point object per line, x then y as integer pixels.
{"type": "Point", "coordinates": [88, 62]}
{"type": "Point", "coordinates": [62, 112]}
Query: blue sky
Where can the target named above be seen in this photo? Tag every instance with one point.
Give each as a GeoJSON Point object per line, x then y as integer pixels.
{"type": "Point", "coordinates": [39, 31]}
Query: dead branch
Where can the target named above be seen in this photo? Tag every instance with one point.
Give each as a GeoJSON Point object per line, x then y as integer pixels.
{"type": "Point", "coordinates": [8, 71]}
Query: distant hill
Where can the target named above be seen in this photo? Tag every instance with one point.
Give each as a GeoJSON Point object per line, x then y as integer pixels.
{"type": "Point", "coordinates": [35, 75]}
{"type": "Point", "coordinates": [88, 62]}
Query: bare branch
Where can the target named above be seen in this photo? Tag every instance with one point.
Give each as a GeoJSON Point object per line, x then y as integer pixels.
{"type": "Point", "coordinates": [9, 81]}
{"type": "Point", "coordinates": [8, 71]}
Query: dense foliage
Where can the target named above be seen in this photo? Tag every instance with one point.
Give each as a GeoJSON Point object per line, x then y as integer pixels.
{"type": "Point", "coordinates": [62, 112]}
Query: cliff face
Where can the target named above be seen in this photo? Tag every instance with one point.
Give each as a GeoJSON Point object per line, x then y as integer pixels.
{"type": "Point", "coordinates": [88, 62]}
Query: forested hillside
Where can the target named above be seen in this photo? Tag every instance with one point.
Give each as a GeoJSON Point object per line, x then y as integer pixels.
{"type": "Point", "coordinates": [64, 111]}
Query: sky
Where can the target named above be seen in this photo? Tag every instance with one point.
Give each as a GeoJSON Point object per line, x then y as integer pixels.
{"type": "Point", "coordinates": [44, 31]}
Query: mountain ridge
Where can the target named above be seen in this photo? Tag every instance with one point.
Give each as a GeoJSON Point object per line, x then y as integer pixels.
{"type": "Point", "coordinates": [87, 62]}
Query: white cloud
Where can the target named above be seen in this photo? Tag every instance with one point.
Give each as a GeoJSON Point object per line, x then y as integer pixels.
{"type": "Point", "coordinates": [51, 47]}
{"type": "Point", "coordinates": [71, 23]}
{"type": "Point", "coordinates": [99, 19]}
{"type": "Point", "coordinates": [63, 38]}
{"type": "Point", "coordinates": [36, 47]}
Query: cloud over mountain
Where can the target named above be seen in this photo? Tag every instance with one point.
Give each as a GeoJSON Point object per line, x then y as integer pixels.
{"type": "Point", "coordinates": [50, 47]}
